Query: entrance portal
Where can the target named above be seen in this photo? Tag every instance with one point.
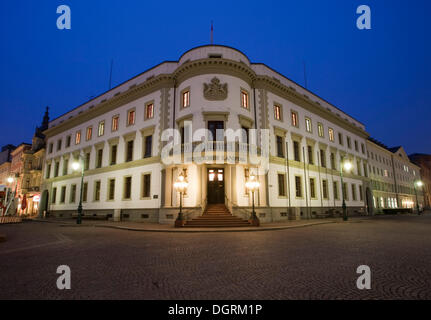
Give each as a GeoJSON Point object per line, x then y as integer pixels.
{"type": "Point", "coordinates": [215, 190]}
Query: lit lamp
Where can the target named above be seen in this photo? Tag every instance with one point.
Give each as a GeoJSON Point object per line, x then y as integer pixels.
{"type": "Point", "coordinates": [76, 165]}
{"type": "Point", "coordinates": [10, 180]}
{"type": "Point", "coordinates": [417, 184]}
{"type": "Point", "coordinates": [253, 185]}
{"type": "Point", "coordinates": [180, 185]}
{"type": "Point", "coordinates": [345, 166]}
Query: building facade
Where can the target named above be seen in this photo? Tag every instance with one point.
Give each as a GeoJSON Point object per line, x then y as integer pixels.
{"type": "Point", "coordinates": [424, 162]}
{"type": "Point", "coordinates": [17, 168]}
{"type": "Point", "coordinates": [121, 137]}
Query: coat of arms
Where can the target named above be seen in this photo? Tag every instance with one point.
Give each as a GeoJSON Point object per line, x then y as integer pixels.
{"type": "Point", "coordinates": [215, 90]}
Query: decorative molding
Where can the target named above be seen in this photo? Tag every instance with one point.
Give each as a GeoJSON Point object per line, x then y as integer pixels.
{"type": "Point", "coordinates": [115, 140]}
{"type": "Point", "coordinates": [129, 136]}
{"type": "Point", "coordinates": [148, 131]}
{"type": "Point", "coordinates": [245, 121]}
{"type": "Point", "coordinates": [215, 115]}
{"type": "Point", "coordinates": [215, 91]}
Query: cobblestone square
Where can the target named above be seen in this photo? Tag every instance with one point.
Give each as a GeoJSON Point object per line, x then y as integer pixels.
{"type": "Point", "coordinates": [315, 262]}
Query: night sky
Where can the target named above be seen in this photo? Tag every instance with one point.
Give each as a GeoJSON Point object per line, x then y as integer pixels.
{"type": "Point", "coordinates": [379, 76]}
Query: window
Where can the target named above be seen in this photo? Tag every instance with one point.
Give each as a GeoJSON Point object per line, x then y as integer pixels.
{"type": "Point", "coordinates": [131, 117]}
{"type": "Point", "coordinates": [63, 194]}
{"type": "Point", "coordinates": [298, 187]}
{"type": "Point", "coordinates": [73, 193]}
{"type": "Point", "coordinates": [68, 140]}
{"type": "Point", "coordinates": [320, 130]}
{"type": "Point", "coordinates": [111, 189]}
{"type": "Point", "coordinates": [277, 112]}
{"type": "Point", "coordinates": [129, 151]}
{"type": "Point", "coordinates": [149, 111]}
{"type": "Point", "coordinates": [101, 130]}
{"type": "Point", "coordinates": [127, 193]}
{"type": "Point", "coordinates": [99, 158]}
{"type": "Point", "coordinates": [296, 151]}
{"type": "Point", "coordinates": [48, 171]}
{"type": "Point", "coordinates": [244, 99]}
{"type": "Point", "coordinates": [358, 167]}
{"type": "Point", "coordinates": [312, 188]}
{"type": "Point", "coordinates": [335, 189]}
{"type": "Point", "coordinates": [325, 189]}
{"type": "Point", "coordinates": [89, 133]}
{"type": "Point", "coordinates": [340, 138]}
{"type": "Point", "coordinates": [281, 185]}
{"type": "Point", "coordinates": [51, 145]}
{"type": "Point", "coordinates": [363, 148]}
{"type": "Point", "coordinates": [186, 99]}
{"type": "Point", "coordinates": [148, 146]}
{"type": "Point", "coordinates": [345, 191]}
{"type": "Point", "coordinates": [87, 161]}
{"type": "Point", "coordinates": [356, 146]}
{"type": "Point", "coordinates": [54, 195]}
{"type": "Point", "coordinates": [84, 192]}
{"type": "Point", "coordinates": [146, 185]}
{"type": "Point", "coordinates": [354, 192]}
{"type": "Point", "coordinates": [113, 154]}
{"type": "Point", "coordinates": [65, 166]}
{"type": "Point", "coordinates": [349, 143]}
{"type": "Point", "coordinates": [294, 116]}
{"type": "Point", "coordinates": [308, 126]}
{"type": "Point", "coordinates": [78, 137]}
{"type": "Point", "coordinates": [361, 196]}
{"type": "Point", "coordinates": [280, 152]}
{"type": "Point", "coordinates": [333, 161]}
{"type": "Point", "coordinates": [59, 145]}
{"type": "Point", "coordinates": [322, 158]}
{"type": "Point", "coordinates": [245, 135]}
{"type": "Point", "coordinates": [331, 134]}
{"type": "Point", "coordinates": [97, 191]}
{"type": "Point", "coordinates": [310, 154]}
{"type": "Point", "coordinates": [56, 168]}
{"type": "Point", "coordinates": [115, 123]}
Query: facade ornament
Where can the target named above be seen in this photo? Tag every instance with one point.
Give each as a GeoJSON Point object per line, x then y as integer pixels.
{"type": "Point", "coordinates": [215, 91]}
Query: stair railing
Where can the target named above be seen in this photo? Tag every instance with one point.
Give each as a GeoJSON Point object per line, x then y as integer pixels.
{"type": "Point", "coordinates": [237, 207]}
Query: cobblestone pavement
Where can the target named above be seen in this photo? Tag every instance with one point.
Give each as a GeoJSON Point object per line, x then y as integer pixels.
{"type": "Point", "coordinates": [317, 262]}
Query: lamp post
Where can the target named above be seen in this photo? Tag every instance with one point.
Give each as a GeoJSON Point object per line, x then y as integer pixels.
{"type": "Point", "coordinates": [347, 166]}
{"type": "Point", "coordinates": [252, 185]}
{"type": "Point", "coordinates": [11, 180]}
{"type": "Point", "coordinates": [76, 166]}
{"type": "Point", "coordinates": [418, 184]}
{"type": "Point", "coordinates": [180, 185]}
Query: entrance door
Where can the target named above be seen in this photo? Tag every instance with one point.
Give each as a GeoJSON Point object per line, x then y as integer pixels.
{"type": "Point", "coordinates": [215, 190]}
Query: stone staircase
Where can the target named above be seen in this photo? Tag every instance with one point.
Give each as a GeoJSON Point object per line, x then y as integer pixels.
{"type": "Point", "coordinates": [216, 216]}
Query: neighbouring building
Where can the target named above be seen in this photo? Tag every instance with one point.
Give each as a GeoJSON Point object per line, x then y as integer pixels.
{"type": "Point", "coordinates": [118, 135]}
{"type": "Point", "coordinates": [392, 176]}
{"type": "Point", "coordinates": [424, 162]}
{"type": "Point", "coordinates": [16, 171]}
{"type": "Point", "coordinates": [33, 159]}
{"type": "Point", "coordinates": [5, 154]}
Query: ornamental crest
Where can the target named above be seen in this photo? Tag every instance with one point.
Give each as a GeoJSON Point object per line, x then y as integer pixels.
{"type": "Point", "coordinates": [215, 90]}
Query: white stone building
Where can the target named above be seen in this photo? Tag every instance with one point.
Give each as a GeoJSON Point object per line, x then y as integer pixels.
{"type": "Point", "coordinates": [119, 135]}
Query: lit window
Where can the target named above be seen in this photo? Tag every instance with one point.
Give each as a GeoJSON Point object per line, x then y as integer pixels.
{"type": "Point", "coordinates": [294, 119]}
{"type": "Point", "coordinates": [89, 133]}
{"type": "Point", "coordinates": [277, 112]}
{"type": "Point", "coordinates": [78, 137]}
{"type": "Point", "coordinates": [244, 99]}
{"type": "Point", "coordinates": [115, 121]}
{"type": "Point", "coordinates": [186, 99]}
{"type": "Point", "coordinates": [101, 130]}
{"type": "Point", "coordinates": [211, 175]}
{"type": "Point", "coordinates": [149, 111]}
{"type": "Point", "coordinates": [308, 124]}
{"type": "Point", "coordinates": [320, 129]}
{"type": "Point", "coordinates": [331, 134]}
{"type": "Point", "coordinates": [131, 117]}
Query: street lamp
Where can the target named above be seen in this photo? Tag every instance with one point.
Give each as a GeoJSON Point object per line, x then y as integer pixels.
{"type": "Point", "coordinates": [76, 165]}
{"type": "Point", "coordinates": [347, 166]}
{"type": "Point", "coordinates": [180, 185]}
{"type": "Point", "coordinates": [10, 180]}
{"type": "Point", "coordinates": [418, 184]}
{"type": "Point", "coordinates": [252, 185]}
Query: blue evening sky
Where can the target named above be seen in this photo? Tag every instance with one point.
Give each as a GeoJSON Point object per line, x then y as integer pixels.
{"type": "Point", "coordinates": [379, 76]}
